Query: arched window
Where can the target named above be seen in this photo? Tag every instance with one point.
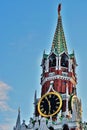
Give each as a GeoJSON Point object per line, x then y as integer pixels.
{"type": "Point", "coordinates": [52, 60]}
{"type": "Point", "coordinates": [51, 128]}
{"type": "Point", "coordinates": [64, 60]}
{"type": "Point", "coordinates": [65, 127]}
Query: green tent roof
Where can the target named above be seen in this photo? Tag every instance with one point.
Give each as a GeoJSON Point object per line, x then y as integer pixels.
{"type": "Point", "coordinates": [59, 42]}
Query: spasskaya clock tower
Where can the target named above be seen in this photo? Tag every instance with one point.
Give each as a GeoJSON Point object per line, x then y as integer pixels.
{"type": "Point", "coordinates": [58, 68]}
{"type": "Point", "coordinates": [58, 107]}
{"type": "Point", "coordinates": [59, 77]}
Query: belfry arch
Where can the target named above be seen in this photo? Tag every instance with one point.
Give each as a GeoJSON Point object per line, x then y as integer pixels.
{"type": "Point", "coordinates": [64, 60]}
{"type": "Point", "coordinates": [52, 60]}
{"type": "Point", "coordinates": [65, 127]}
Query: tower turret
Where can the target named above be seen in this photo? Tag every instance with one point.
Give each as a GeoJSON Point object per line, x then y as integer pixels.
{"type": "Point", "coordinates": [18, 122]}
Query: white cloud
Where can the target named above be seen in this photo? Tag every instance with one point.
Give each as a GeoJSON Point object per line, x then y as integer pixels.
{"type": "Point", "coordinates": [5, 109]}
{"type": "Point", "coordinates": [5, 127]}
{"type": "Point", "coordinates": [4, 89]}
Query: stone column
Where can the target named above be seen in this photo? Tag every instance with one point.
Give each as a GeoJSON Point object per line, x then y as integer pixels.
{"type": "Point", "coordinates": [59, 62]}
{"type": "Point", "coordinates": [47, 65]}
{"type": "Point", "coordinates": [56, 63]}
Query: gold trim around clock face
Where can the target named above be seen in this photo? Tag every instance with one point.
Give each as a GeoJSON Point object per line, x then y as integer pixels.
{"type": "Point", "coordinates": [48, 102]}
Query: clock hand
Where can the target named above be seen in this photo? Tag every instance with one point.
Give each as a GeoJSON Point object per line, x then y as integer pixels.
{"type": "Point", "coordinates": [47, 100]}
{"type": "Point", "coordinates": [48, 104]}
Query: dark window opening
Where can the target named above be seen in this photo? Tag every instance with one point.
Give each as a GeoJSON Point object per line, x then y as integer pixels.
{"type": "Point", "coordinates": [65, 127]}
{"type": "Point", "coordinates": [51, 128]}
{"type": "Point", "coordinates": [64, 60]}
{"type": "Point", "coordinates": [52, 60]}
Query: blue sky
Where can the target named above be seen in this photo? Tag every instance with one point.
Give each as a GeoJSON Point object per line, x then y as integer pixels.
{"type": "Point", "coordinates": [27, 28]}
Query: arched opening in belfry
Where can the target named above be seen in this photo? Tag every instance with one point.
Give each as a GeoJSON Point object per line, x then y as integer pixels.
{"type": "Point", "coordinates": [64, 60]}
{"type": "Point", "coordinates": [51, 128]}
{"type": "Point", "coordinates": [65, 127]}
{"type": "Point", "coordinates": [52, 60]}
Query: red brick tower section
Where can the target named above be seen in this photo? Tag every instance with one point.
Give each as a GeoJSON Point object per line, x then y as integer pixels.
{"type": "Point", "coordinates": [58, 67]}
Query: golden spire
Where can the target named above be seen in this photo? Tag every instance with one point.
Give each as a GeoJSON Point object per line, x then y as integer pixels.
{"type": "Point", "coordinates": [59, 9]}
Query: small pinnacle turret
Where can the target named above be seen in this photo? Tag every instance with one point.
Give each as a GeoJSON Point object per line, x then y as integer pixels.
{"type": "Point", "coordinates": [59, 43]}
{"type": "Point", "coordinates": [18, 122]}
{"type": "Point", "coordinates": [35, 96]}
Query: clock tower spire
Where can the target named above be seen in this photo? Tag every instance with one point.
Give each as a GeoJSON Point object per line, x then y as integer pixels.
{"type": "Point", "coordinates": [59, 43]}
{"type": "Point", "coordinates": [58, 107]}
{"type": "Point", "coordinates": [58, 66]}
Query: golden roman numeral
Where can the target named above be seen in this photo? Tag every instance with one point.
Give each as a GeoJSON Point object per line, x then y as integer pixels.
{"type": "Point", "coordinates": [49, 112]}
{"type": "Point", "coordinates": [45, 112]}
{"type": "Point", "coordinates": [46, 98]}
{"type": "Point", "coordinates": [57, 102]}
{"type": "Point", "coordinates": [41, 106]}
{"type": "Point", "coordinates": [42, 109]}
{"type": "Point", "coordinates": [56, 99]}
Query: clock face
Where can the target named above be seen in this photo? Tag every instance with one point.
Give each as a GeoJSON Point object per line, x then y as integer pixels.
{"type": "Point", "coordinates": [50, 104]}
{"type": "Point", "coordinates": [74, 101]}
